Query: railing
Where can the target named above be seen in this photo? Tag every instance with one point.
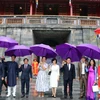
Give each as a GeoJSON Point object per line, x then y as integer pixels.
{"type": "Point", "coordinates": [14, 20]}
{"type": "Point", "coordinates": [74, 20]}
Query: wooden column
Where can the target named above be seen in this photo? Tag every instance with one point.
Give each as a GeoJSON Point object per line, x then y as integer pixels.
{"type": "Point", "coordinates": [31, 7]}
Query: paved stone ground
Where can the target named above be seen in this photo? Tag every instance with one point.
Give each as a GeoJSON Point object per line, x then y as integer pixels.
{"type": "Point", "coordinates": [33, 95]}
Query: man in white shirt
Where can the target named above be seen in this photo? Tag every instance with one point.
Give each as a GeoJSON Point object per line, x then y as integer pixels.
{"type": "Point", "coordinates": [82, 76]}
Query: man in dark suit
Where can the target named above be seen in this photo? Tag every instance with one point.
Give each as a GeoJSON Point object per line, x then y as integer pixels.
{"type": "Point", "coordinates": [1, 76]}
{"type": "Point", "coordinates": [26, 77]}
{"type": "Point", "coordinates": [68, 75]}
{"type": "Point", "coordinates": [5, 72]}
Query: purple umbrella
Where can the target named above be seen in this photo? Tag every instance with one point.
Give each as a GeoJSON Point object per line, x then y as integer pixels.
{"type": "Point", "coordinates": [89, 50]}
{"type": "Point", "coordinates": [18, 50]}
{"type": "Point", "coordinates": [67, 50]}
{"type": "Point", "coordinates": [7, 42]}
{"type": "Point", "coordinates": [43, 50]}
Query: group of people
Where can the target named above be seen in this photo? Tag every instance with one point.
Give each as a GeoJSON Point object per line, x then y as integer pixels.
{"type": "Point", "coordinates": [42, 84]}
{"type": "Point", "coordinates": [87, 71]}
{"type": "Point", "coordinates": [87, 75]}
{"type": "Point", "coordinates": [11, 69]}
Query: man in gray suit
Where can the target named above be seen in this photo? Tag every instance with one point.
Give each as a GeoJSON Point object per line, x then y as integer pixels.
{"type": "Point", "coordinates": [82, 76]}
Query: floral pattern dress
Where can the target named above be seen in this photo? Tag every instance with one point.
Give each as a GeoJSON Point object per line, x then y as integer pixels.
{"type": "Point", "coordinates": [42, 83]}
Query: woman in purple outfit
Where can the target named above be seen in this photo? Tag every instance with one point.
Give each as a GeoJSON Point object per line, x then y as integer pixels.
{"type": "Point", "coordinates": [91, 80]}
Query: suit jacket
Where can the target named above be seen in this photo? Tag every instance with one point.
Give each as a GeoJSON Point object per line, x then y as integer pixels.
{"type": "Point", "coordinates": [1, 71]}
{"type": "Point", "coordinates": [68, 74]}
{"type": "Point", "coordinates": [26, 72]}
{"type": "Point", "coordinates": [5, 68]}
{"type": "Point", "coordinates": [79, 70]}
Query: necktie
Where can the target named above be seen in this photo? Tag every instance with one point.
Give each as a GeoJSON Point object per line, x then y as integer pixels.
{"type": "Point", "coordinates": [25, 66]}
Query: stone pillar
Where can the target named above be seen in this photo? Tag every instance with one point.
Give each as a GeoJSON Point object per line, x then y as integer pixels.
{"type": "Point", "coordinates": [31, 7]}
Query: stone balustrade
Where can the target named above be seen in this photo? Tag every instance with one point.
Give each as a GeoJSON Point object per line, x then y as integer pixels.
{"type": "Point", "coordinates": [43, 19]}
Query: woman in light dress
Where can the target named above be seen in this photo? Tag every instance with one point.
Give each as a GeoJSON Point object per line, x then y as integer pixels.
{"type": "Point", "coordinates": [42, 84]}
{"type": "Point", "coordinates": [54, 77]}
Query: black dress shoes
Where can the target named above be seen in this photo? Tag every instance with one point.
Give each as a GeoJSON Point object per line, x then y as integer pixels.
{"type": "Point", "coordinates": [65, 97]}
{"type": "Point", "coordinates": [22, 96]}
{"type": "Point", "coordinates": [14, 96]}
{"type": "Point", "coordinates": [26, 96]}
{"type": "Point", "coordinates": [71, 97]}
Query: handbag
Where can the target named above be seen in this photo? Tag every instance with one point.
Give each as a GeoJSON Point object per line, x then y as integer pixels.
{"type": "Point", "coordinates": [49, 73]}
{"type": "Point", "coordinates": [95, 88]}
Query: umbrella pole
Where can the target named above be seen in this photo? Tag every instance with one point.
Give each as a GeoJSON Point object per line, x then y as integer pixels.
{"type": "Point", "coordinates": [19, 60]}
{"type": "Point", "coordinates": [98, 45]}
{"type": "Point", "coordinates": [31, 58]}
{"type": "Point", "coordinates": [3, 52]}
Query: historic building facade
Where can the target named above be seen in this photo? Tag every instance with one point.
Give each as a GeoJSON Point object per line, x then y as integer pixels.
{"type": "Point", "coordinates": [50, 22]}
{"type": "Point", "coordinates": [50, 7]}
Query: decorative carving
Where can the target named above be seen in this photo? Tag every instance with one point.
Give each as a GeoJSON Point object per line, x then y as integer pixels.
{"type": "Point", "coordinates": [14, 21]}
{"type": "Point", "coordinates": [52, 21]}
{"type": "Point", "coordinates": [34, 21]}
{"type": "Point", "coordinates": [71, 22]}
{"type": "Point", "coordinates": [89, 22]}
{"type": "Point", "coordinates": [0, 21]}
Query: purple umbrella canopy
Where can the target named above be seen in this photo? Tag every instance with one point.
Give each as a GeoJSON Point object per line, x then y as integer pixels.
{"type": "Point", "coordinates": [7, 42]}
{"type": "Point", "coordinates": [89, 50]}
{"type": "Point", "coordinates": [18, 50]}
{"type": "Point", "coordinates": [43, 50]}
{"type": "Point", "coordinates": [67, 50]}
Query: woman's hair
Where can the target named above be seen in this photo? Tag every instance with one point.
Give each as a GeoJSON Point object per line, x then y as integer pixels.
{"type": "Point", "coordinates": [54, 59]}
{"type": "Point", "coordinates": [34, 59]}
{"type": "Point", "coordinates": [93, 64]}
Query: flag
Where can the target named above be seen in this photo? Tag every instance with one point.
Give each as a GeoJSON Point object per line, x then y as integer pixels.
{"type": "Point", "coordinates": [71, 8]}
{"type": "Point", "coordinates": [36, 3]}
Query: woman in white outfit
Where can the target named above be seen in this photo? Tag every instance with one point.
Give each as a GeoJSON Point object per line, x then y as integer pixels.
{"type": "Point", "coordinates": [42, 84]}
{"type": "Point", "coordinates": [54, 77]}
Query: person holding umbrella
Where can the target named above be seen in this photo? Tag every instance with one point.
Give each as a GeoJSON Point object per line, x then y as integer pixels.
{"type": "Point", "coordinates": [12, 75]}
{"type": "Point", "coordinates": [54, 76]}
{"type": "Point", "coordinates": [42, 84]}
{"type": "Point", "coordinates": [26, 77]}
{"type": "Point", "coordinates": [2, 72]}
{"type": "Point", "coordinates": [82, 76]}
{"type": "Point", "coordinates": [5, 73]}
{"type": "Point", "coordinates": [68, 76]}
{"type": "Point", "coordinates": [99, 81]}
{"type": "Point", "coordinates": [92, 80]}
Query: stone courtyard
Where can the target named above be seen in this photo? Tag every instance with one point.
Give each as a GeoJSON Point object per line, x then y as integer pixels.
{"type": "Point", "coordinates": [33, 94]}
